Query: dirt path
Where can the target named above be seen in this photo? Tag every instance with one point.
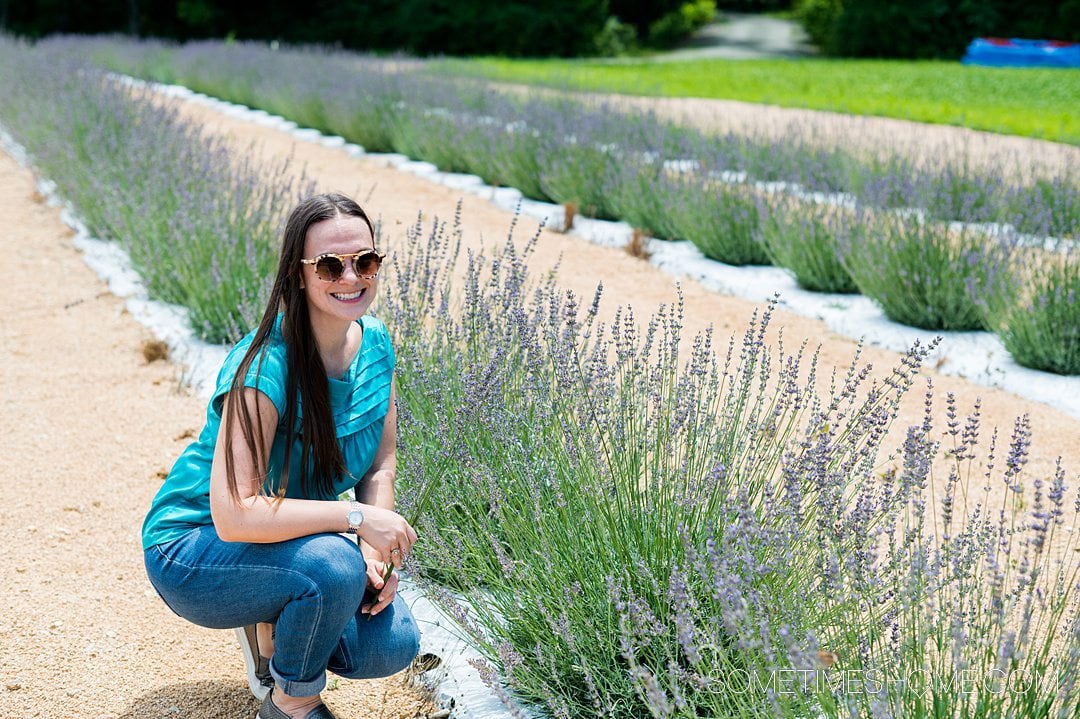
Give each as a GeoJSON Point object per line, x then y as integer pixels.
{"type": "Point", "coordinates": [89, 427]}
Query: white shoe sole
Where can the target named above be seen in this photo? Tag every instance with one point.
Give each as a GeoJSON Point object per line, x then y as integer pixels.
{"type": "Point", "coordinates": [258, 689]}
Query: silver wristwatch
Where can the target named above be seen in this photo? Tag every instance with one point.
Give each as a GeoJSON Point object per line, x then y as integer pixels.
{"type": "Point", "coordinates": [356, 517]}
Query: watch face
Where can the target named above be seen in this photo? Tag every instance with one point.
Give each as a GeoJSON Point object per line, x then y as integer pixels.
{"type": "Point", "coordinates": [356, 518]}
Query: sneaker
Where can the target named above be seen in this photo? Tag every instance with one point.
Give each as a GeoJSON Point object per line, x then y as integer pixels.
{"type": "Point", "coordinates": [269, 710]}
{"type": "Point", "coordinates": [258, 667]}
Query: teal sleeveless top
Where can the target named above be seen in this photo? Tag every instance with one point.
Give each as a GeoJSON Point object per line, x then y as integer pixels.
{"type": "Point", "coordinates": [359, 402]}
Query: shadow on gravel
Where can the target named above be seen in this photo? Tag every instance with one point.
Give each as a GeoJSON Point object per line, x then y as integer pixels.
{"type": "Point", "coordinates": [196, 699]}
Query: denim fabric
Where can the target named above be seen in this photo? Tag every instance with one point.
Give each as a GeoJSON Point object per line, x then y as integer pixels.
{"type": "Point", "coordinates": [310, 587]}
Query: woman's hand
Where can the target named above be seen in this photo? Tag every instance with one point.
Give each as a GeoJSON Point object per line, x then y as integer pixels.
{"type": "Point", "coordinates": [382, 591]}
{"type": "Point", "coordinates": [387, 533]}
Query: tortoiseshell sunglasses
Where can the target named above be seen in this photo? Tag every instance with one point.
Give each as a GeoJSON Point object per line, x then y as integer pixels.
{"type": "Point", "coordinates": [331, 267]}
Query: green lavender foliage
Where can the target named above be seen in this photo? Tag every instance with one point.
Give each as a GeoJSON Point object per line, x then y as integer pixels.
{"type": "Point", "coordinates": [199, 223]}
{"type": "Point", "coordinates": [960, 602]}
{"type": "Point", "coordinates": [579, 458]}
{"type": "Point", "coordinates": [801, 236]}
{"type": "Point", "coordinates": [721, 218]}
{"type": "Point", "coordinates": [920, 271]}
{"type": "Point", "coordinates": [1032, 302]}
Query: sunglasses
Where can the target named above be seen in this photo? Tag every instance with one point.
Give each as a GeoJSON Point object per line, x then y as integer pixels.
{"type": "Point", "coordinates": [331, 267]}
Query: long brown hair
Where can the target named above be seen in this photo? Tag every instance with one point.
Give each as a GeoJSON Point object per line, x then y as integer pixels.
{"type": "Point", "coordinates": [306, 375]}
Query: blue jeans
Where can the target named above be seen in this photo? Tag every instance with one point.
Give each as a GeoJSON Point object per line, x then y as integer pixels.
{"type": "Point", "coordinates": [310, 587]}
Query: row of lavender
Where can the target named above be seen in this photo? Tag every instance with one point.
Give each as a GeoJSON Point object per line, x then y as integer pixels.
{"type": "Point", "coordinates": [202, 238]}
{"type": "Point", "coordinates": [642, 528]}
{"type": "Point", "coordinates": [937, 248]}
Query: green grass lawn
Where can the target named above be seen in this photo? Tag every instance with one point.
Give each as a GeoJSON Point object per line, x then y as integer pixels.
{"type": "Point", "coordinates": [1034, 102]}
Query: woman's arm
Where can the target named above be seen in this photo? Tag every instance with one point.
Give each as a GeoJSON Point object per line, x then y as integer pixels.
{"type": "Point", "coordinates": [257, 518]}
{"type": "Point", "coordinates": [376, 487]}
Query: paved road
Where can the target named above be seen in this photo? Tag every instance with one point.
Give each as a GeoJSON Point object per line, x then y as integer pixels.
{"type": "Point", "coordinates": [743, 37]}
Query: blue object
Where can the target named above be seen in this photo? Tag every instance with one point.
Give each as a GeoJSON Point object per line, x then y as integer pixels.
{"type": "Point", "coordinates": [1012, 52]}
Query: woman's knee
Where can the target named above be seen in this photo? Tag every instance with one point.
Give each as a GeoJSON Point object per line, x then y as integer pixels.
{"type": "Point", "coordinates": [402, 649]}
{"type": "Point", "coordinates": [332, 563]}
{"type": "Point", "coordinates": [374, 654]}
{"type": "Point", "coordinates": [326, 568]}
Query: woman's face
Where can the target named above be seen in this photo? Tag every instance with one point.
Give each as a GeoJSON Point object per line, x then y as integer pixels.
{"type": "Point", "coordinates": [350, 296]}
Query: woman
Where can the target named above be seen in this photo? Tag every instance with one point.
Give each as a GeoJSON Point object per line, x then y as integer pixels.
{"type": "Point", "coordinates": [248, 529]}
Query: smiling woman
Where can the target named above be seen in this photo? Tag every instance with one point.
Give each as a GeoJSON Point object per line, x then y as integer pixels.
{"type": "Point", "coordinates": [339, 291]}
{"type": "Point", "coordinates": [246, 530]}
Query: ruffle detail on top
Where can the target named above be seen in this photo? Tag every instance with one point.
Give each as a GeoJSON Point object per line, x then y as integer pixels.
{"type": "Point", "coordinates": [362, 397]}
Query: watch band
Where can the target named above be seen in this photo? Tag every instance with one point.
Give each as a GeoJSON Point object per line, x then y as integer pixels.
{"type": "Point", "coordinates": [355, 517]}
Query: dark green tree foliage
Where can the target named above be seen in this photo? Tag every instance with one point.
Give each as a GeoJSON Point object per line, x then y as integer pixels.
{"type": "Point", "coordinates": [754, 5]}
{"type": "Point", "coordinates": [916, 29]}
{"type": "Point", "coordinates": [931, 28]}
{"type": "Point", "coordinates": [642, 13]}
{"type": "Point", "coordinates": [35, 18]}
{"type": "Point", "coordinates": [474, 27]}
{"type": "Point", "coordinates": [426, 27]}
{"type": "Point", "coordinates": [818, 18]}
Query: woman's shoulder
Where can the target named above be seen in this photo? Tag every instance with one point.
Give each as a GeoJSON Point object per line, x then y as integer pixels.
{"type": "Point", "coordinates": [268, 369]}
{"type": "Point", "coordinates": [273, 348]}
{"type": "Point", "coordinates": [377, 350]}
{"type": "Point", "coordinates": [375, 330]}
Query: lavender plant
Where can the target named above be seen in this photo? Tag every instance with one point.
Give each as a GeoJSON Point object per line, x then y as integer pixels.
{"type": "Point", "coordinates": [720, 217]}
{"type": "Point", "coordinates": [576, 165]}
{"type": "Point", "coordinates": [918, 270]}
{"type": "Point", "coordinates": [586, 455]}
{"type": "Point", "coordinates": [306, 85]}
{"type": "Point", "coordinates": [1046, 207]}
{"type": "Point", "coordinates": [1033, 305]}
{"type": "Point", "coordinates": [954, 193]}
{"type": "Point", "coordinates": [797, 158]}
{"type": "Point", "coordinates": [635, 539]}
{"type": "Point", "coordinates": [980, 611]}
{"type": "Point", "coordinates": [959, 602]}
{"type": "Point", "coordinates": [512, 157]}
{"type": "Point", "coordinates": [800, 235]}
{"type": "Point", "coordinates": [443, 137]}
{"type": "Point", "coordinates": [639, 192]}
{"type": "Point", "coordinates": [198, 222]}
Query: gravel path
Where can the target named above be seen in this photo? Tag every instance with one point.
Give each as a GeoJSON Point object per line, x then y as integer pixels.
{"type": "Point", "coordinates": [90, 427]}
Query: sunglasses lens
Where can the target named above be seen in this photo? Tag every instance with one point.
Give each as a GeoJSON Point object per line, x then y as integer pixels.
{"type": "Point", "coordinates": [329, 268]}
{"type": "Point", "coordinates": [367, 264]}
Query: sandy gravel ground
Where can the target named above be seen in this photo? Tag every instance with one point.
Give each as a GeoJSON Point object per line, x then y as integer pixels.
{"type": "Point", "coordinates": [88, 428]}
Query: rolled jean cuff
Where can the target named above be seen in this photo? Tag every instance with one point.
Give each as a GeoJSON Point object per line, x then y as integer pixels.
{"type": "Point", "coordinates": [297, 688]}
